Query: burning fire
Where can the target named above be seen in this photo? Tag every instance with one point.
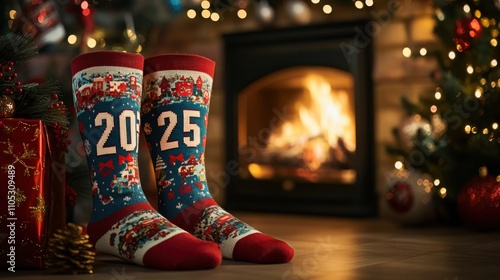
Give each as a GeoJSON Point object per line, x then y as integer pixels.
{"type": "Point", "coordinates": [324, 130]}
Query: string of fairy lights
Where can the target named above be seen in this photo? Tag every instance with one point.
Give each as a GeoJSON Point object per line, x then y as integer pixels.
{"type": "Point", "coordinates": [474, 30]}
{"type": "Point", "coordinates": [263, 10]}
{"type": "Point", "coordinates": [297, 10]}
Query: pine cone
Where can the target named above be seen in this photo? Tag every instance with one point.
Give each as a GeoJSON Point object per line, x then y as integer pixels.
{"type": "Point", "coordinates": [69, 251]}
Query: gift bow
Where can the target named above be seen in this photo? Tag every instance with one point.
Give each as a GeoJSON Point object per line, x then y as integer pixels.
{"type": "Point", "coordinates": [179, 157]}
{"type": "Point", "coordinates": [123, 159]}
{"type": "Point", "coordinates": [108, 164]}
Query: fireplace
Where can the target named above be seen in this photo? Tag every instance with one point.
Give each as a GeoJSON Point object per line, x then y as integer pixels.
{"type": "Point", "coordinates": [299, 120]}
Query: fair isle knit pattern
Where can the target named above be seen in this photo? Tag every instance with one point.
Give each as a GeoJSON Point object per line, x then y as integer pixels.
{"type": "Point", "coordinates": [135, 234]}
{"type": "Point", "coordinates": [107, 88]}
{"type": "Point", "coordinates": [219, 226]}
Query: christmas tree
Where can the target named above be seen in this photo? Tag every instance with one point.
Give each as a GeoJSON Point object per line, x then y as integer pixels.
{"type": "Point", "coordinates": [457, 129]}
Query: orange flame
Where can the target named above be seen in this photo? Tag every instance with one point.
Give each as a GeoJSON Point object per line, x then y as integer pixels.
{"type": "Point", "coordinates": [325, 118]}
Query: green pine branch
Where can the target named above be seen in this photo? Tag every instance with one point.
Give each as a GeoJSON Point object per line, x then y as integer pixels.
{"type": "Point", "coordinates": [17, 48]}
{"type": "Point", "coordinates": [35, 103]}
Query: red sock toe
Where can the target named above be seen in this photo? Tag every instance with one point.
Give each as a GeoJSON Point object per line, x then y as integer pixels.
{"type": "Point", "coordinates": [188, 253]}
{"type": "Point", "coordinates": [261, 248]}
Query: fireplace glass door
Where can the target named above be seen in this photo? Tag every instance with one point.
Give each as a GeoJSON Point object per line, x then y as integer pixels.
{"type": "Point", "coordinates": [299, 120]}
{"type": "Point", "coordinates": [300, 125]}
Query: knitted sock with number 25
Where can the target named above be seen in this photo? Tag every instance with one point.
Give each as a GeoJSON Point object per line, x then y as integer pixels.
{"type": "Point", "coordinates": [175, 115]}
{"type": "Point", "coordinates": [107, 87]}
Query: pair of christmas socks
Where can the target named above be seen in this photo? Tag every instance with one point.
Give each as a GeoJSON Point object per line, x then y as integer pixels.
{"type": "Point", "coordinates": [190, 231]}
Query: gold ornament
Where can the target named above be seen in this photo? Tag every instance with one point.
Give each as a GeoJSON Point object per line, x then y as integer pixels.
{"type": "Point", "coordinates": [70, 251]}
{"type": "Point", "coordinates": [7, 106]}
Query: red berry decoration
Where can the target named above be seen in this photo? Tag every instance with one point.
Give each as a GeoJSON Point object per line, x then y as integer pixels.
{"type": "Point", "coordinates": [71, 195]}
{"type": "Point", "coordinates": [479, 202]}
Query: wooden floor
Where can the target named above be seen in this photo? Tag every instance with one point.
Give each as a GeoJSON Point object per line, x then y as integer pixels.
{"type": "Point", "coordinates": [335, 248]}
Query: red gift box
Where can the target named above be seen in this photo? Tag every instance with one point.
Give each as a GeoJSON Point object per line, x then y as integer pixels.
{"type": "Point", "coordinates": [32, 197]}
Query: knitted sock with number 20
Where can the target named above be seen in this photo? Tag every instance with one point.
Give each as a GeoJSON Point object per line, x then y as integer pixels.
{"type": "Point", "coordinates": [177, 91]}
{"type": "Point", "coordinates": [107, 87]}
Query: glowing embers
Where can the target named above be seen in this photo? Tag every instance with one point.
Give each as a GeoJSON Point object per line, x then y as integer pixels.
{"type": "Point", "coordinates": [311, 131]}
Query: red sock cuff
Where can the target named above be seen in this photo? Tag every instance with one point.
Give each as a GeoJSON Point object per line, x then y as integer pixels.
{"type": "Point", "coordinates": [106, 58]}
{"type": "Point", "coordinates": [179, 62]}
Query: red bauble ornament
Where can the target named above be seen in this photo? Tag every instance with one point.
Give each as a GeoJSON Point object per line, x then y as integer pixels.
{"type": "Point", "coordinates": [479, 203]}
{"type": "Point", "coordinates": [466, 30]}
{"type": "Point", "coordinates": [400, 197]}
{"type": "Point", "coordinates": [409, 197]}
